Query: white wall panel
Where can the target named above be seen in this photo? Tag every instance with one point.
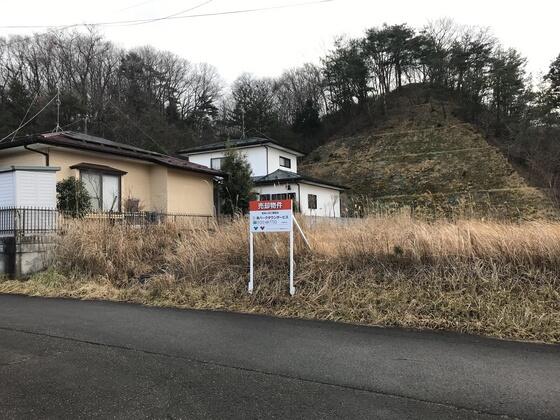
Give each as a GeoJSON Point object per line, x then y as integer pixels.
{"type": "Point", "coordinates": [7, 189]}
{"type": "Point", "coordinates": [35, 189]}
{"type": "Point", "coordinates": [328, 201]}
{"type": "Point", "coordinates": [256, 156]}
{"type": "Point", "coordinates": [274, 160]}
{"type": "Point", "coordinates": [262, 159]}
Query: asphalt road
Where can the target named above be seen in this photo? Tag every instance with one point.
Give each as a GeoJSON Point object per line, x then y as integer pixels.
{"type": "Point", "coordinates": [75, 359]}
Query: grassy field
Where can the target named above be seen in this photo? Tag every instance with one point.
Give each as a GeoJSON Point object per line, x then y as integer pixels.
{"type": "Point", "coordinates": [482, 277]}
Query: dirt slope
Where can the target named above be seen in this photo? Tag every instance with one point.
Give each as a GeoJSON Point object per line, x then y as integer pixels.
{"type": "Point", "coordinates": [423, 157]}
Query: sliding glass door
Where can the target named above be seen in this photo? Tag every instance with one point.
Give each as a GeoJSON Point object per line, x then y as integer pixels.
{"type": "Point", "coordinates": [103, 189]}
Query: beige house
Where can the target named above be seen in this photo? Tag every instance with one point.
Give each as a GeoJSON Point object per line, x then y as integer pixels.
{"type": "Point", "coordinates": [119, 177]}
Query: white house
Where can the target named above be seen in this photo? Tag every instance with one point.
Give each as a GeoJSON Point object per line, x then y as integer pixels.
{"type": "Point", "coordinates": [275, 174]}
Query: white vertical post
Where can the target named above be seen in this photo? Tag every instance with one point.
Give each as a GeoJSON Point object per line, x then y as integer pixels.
{"type": "Point", "coordinates": [292, 288]}
{"type": "Point", "coordinates": [250, 287]}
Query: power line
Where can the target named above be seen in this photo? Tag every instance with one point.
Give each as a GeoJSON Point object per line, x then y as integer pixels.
{"type": "Point", "coordinates": [64, 127]}
{"type": "Point", "coordinates": [204, 3]}
{"type": "Point", "coordinates": [171, 17]}
{"type": "Point", "coordinates": [57, 129]}
{"type": "Point", "coordinates": [139, 128]}
{"type": "Point", "coordinates": [25, 116]}
{"type": "Point", "coordinates": [31, 119]}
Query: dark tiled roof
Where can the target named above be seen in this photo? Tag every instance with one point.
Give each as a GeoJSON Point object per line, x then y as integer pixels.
{"type": "Point", "coordinates": [252, 141]}
{"type": "Point", "coordinates": [82, 141]}
{"type": "Point", "coordinates": [281, 177]}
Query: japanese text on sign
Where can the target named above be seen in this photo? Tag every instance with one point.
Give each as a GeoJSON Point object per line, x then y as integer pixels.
{"type": "Point", "coordinates": [270, 216]}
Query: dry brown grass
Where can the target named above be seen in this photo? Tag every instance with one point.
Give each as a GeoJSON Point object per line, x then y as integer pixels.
{"type": "Point", "coordinates": [499, 279]}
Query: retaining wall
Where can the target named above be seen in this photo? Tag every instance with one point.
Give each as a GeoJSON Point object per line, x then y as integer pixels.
{"type": "Point", "coordinates": [22, 256]}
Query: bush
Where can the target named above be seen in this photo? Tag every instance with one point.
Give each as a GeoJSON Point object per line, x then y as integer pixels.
{"type": "Point", "coordinates": [72, 197]}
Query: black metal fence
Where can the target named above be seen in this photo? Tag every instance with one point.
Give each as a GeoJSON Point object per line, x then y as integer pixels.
{"type": "Point", "coordinates": [22, 221]}
{"type": "Point", "coordinates": [26, 221]}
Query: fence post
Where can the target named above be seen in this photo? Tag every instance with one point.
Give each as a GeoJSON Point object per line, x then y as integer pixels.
{"type": "Point", "coordinates": [21, 230]}
{"type": "Point", "coordinates": [14, 221]}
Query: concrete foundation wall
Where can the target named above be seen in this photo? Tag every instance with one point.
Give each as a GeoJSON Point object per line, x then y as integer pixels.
{"type": "Point", "coordinates": [20, 257]}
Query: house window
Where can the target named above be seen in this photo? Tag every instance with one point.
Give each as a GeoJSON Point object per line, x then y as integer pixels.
{"type": "Point", "coordinates": [285, 196]}
{"type": "Point", "coordinates": [104, 190]}
{"type": "Point", "coordinates": [285, 162]}
{"type": "Point", "coordinates": [216, 163]}
{"type": "Point", "coordinates": [312, 201]}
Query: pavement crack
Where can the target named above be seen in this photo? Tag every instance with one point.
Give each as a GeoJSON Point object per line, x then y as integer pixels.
{"type": "Point", "coordinates": [15, 362]}
{"type": "Point", "coordinates": [258, 371]}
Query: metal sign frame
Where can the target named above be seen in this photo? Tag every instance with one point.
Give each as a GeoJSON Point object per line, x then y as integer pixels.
{"type": "Point", "coordinates": [272, 206]}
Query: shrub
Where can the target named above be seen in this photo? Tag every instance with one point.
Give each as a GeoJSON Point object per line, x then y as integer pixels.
{"type": "Point", "coordinates": [72, 197]}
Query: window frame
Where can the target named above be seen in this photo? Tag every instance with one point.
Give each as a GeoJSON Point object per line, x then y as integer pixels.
{"type": "Point", "coordinates": [219, 159]}
{"type": "Point", "coordinates": [284, 196]}
{"type": "Point", "coordinates": [283, 160]}
{"type": "Point", "coordinates": [277, 196]}
{"type": "Point", "coordinates": [100, 173]}
{"type": "Point", "coordinates": [312, 198]}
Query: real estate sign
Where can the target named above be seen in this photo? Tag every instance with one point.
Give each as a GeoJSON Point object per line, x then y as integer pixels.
{"type": "Point", "coordinates": [270, 216]}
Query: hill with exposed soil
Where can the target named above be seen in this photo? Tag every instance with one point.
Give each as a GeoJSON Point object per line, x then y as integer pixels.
{"type": "Point", "coordinates": [421, 155]}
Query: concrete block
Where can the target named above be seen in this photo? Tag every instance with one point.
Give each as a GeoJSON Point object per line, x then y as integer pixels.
{"type": "Point", "coordinates": [25, 255]}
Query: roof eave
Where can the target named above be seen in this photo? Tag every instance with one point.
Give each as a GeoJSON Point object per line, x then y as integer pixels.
{"type": "Point", "coordinates": [325, 184]}
{"type": "Point", "coordinates": [221, 147]}
{"type": "Point", "coordinates": [39, 139]}
{"type": "Point", "coordinates": [300, 181]}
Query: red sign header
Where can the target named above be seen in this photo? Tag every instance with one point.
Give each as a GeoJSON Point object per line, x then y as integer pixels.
{"type": "Point", "coordinates": [270, 205]}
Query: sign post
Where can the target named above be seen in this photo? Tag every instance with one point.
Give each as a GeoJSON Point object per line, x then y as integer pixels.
{"type": "Point", "coordinates": [250, 287]}
{"type": "Point", "coordinates": [271, 216]}
{"type": "Point", "coordinates": [292, 288]}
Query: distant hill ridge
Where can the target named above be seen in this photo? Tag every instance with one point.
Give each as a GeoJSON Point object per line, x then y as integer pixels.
{"type": "Point", "coordinates": [421, 155]}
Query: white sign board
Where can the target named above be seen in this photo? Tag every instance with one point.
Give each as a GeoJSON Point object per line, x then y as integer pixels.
{"type": "Point", "coordinates": [270, 216]}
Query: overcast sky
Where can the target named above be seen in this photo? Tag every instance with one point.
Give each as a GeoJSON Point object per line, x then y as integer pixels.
{"type": "Point", "coordinates": [267, 42]}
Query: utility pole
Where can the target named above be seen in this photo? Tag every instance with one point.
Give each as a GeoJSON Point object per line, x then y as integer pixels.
{"type": "Point", "coordinates": [243, 123]}
{"type": "Point", "coordinates": [85, 124]}
{"type": "Point", "coordinates": [57, 129]}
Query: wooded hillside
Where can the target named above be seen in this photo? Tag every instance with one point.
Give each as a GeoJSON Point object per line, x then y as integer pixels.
{"type": "Point", "coordinates": [423, 157]}
{"type": "Point", "coordinates": [157, 100]}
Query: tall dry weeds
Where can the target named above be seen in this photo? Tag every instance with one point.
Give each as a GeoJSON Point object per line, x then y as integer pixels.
{"type": "Point", "coordinates": [493, 278]}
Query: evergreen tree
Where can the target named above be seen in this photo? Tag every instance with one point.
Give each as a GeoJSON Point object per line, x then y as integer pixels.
{"type": "Point", "coordinates": [346, 75]}
{"type": "Point", "coordinates": [171, 110]}
{"type": "Point", "coordinates": [507, 81]}
{"type": "Point", "coordinates": [307, 121]}
{"type": "Point", "coordinates": [131, 76]}
{"type": "Point", "coordinates": [236, 188]}
{"type": "Point", "coordinates": [553, 78]}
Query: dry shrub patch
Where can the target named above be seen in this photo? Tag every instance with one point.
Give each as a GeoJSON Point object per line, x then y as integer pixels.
{"type": "Point", "coordinates": [499, 279]}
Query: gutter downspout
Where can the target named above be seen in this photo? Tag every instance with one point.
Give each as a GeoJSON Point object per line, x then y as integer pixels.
{"type": "Point", "coordinates": [299, 198]}
{"type": "Point", "coordinates": [46, 154]}
{"type": "Point", "coordinates": [266, 148]}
